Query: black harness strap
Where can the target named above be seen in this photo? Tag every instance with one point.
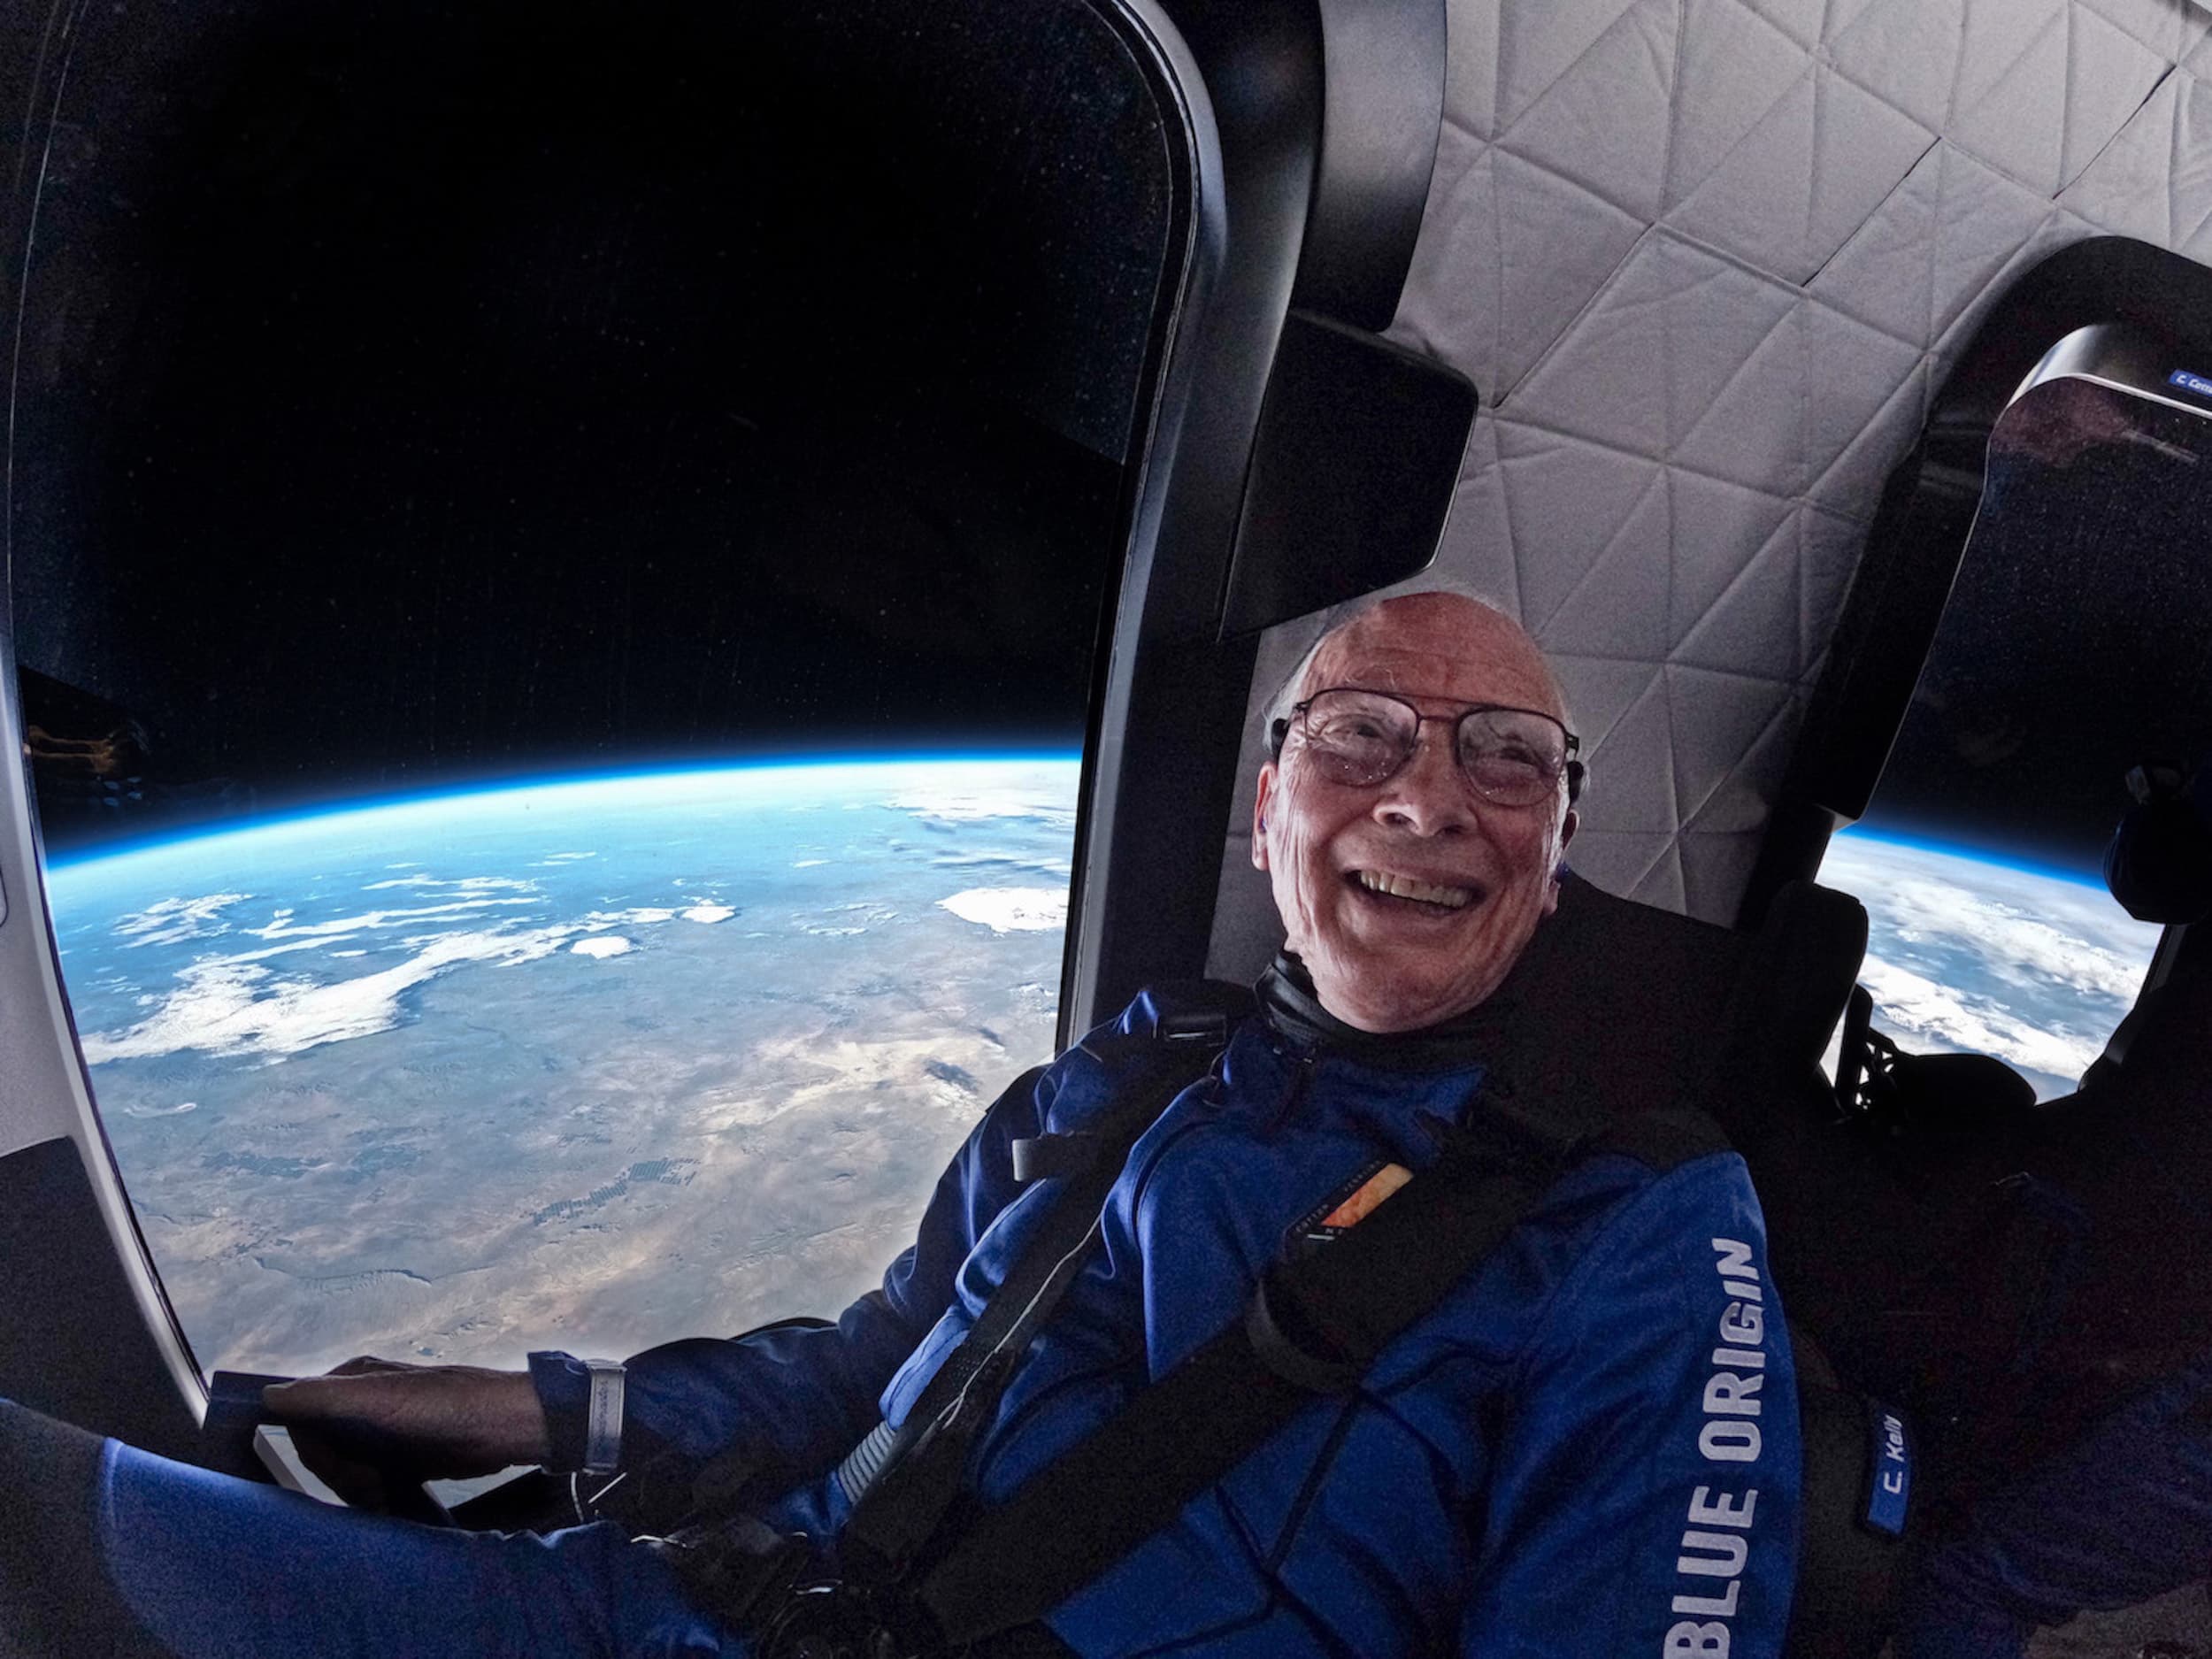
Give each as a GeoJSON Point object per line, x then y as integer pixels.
{"type": "Point", "coordinates": [1312, 1328]}
{"type": "Point", "coordinates": [903, 1481]}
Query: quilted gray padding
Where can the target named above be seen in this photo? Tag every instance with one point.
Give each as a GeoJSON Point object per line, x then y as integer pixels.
{"type": "Point", "coordinates": [1705, 260]}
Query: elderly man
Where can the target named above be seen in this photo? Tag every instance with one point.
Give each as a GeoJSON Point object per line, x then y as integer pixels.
{"type": "Point", "coordinates": [1586, 1447]}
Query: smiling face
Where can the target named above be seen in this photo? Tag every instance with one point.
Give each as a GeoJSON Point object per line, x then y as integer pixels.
{"type": "Point", "coordinates": [1409, 900]}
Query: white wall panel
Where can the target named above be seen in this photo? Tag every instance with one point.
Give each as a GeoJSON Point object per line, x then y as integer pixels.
{"type": "Point", "coordinates": [1519, 253]}
{"type": "Point", "coordinates": [2169, 31]}
{"type": "Point", "coordinates": [1906, 54]}
{"type": "Point", "coordinates": [1735, 66]}
{"type": "Point", "coordinates": [2154, 180]}
{"type": "Point", "coordinates": [1930, 247]}
{"type": "Point", "coordinates": [2087, 73]}
{"type": "Point", "coordinates": [1752, 625]}
{"type": "Point", "coordinates": [1800, 182]}
{"type": "Point", "coordinates": [1604, 122]}
{"type": "Point", "coordinates": [1478, 537]}
{"type": "Point", "coordinates": [1540, 45]}
{"type": "Point", "coordinates": [1675, 326]}
{"type": "Point", "coordinates": [1575, 499]}
{"type": "Point", "coordinates": [1618, 603]}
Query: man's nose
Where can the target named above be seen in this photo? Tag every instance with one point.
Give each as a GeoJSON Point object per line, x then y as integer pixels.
{"type": "Point", "coordinates": [1430, 796]}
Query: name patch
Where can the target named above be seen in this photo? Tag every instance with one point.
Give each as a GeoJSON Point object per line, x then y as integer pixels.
{"type": "Point", "coordinates": [1889, 1471]}
{"type": "Point", "coordinates": [1349, 1205]}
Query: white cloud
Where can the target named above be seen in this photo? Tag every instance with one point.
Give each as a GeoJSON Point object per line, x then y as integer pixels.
{"type": "Point", "coordinates": [231, 1006]}
{"type": "Point", "coordinates": [465, 884]}
{"type": "Point", "coordinates": [1962, 1022]}
{"type": "Point", "coordinates": [808, 863]}
{"type": "Point", "coordinates": [1923, 892]}
{"type": "Point", "coordinates": [1010, 910]}
{"type": "Point", "coordinates": [172, 921]}
{"type": "Point", "coordinates": [291, 947]}
{"type": "Point", "coordinates": [280, 926]}
{"type": "Point", "coordinates": [2014, 945]}
{"type": "Point", "coordinates": [1040, 795]}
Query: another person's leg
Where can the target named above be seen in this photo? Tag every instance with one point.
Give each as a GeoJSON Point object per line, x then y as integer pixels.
{"type": "Point", "coordinates": [107, 1549]}
{"type": "Point", "coordinates": [2123, 1514]}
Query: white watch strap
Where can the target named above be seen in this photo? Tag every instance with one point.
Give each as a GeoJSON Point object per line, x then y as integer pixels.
{"type": "Point", "coordinates": [602, 1417]}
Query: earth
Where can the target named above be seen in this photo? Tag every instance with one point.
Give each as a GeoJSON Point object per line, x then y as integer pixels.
{"type": "Point", "coordinates": [1970, 954]}
{"type": "Point", "coordinates": [586, 1065]}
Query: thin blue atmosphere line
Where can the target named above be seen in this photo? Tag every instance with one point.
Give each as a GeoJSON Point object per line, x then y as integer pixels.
{"type": "Point", "coordinates": [363, 806]}
{"type": "Point", "coordinates": [1971, 854]}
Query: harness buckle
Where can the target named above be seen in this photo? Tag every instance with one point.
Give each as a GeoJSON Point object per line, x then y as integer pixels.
{"type": "Point", "coordinates": [1282, 1352]}
{"type": "Point", "coordinates": [1044, 1158]}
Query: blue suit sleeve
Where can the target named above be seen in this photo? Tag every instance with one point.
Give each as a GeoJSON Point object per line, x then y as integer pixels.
{"type": "Point", "coordinates": [789, 1401]}
{"type": "Point", "coordinates": [1645, 1493]}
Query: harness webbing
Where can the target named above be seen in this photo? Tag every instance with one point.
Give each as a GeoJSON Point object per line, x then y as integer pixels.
{"type": "Point", "coordinates": [903, 1482]}
{"type": "Point", "coordinates": [1312, 1329]}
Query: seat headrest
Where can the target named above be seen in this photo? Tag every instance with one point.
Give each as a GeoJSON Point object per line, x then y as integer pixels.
{"type": "Point", "coordinates": [1802, 965]}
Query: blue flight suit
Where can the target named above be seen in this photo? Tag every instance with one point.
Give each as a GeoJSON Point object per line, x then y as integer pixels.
{"type": "Point", "coordinates": [2122, 1514]}
{"type": "Point", "coordinates": [1591, 1445]}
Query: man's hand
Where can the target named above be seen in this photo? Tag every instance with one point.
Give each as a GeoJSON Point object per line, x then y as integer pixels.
{"type": "Point", "coordinates": [373, 1422]}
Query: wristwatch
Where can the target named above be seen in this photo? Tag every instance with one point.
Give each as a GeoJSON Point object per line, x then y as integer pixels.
{"type": "Point", "coordinates": [602, 1417]}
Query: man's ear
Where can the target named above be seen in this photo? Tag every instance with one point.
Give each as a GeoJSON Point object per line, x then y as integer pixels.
{"type": "Point", "coordinates": [1266, 793]}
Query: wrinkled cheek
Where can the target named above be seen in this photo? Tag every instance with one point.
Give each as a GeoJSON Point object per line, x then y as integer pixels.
{"type": "Point", "coordinates": [1512, 933]}
{"type": "Point", "coordinates": [1299, 928]}
{"type": "Point", "coordinates": [1312, 917]}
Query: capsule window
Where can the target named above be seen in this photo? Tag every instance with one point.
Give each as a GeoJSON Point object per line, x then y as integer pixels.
{"type": "Point", "coordinates": [560, 561]}
{"type": "Point", "coordinates": [2064, 660]}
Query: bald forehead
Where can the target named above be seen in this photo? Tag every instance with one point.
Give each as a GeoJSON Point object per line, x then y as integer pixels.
{"type": "Point", "coordinates": [1439, 645]}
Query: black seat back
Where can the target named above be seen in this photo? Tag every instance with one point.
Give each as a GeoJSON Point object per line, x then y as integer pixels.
{"type": "Point", "coordinates": [1618, 1006]}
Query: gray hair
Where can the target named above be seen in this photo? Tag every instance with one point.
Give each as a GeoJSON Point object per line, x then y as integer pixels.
{"type": "Point", "coordinates": [1342, 616]}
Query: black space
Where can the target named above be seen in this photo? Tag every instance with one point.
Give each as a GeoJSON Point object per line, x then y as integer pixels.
{"type": "Point", "coordinates": [2074, 644]}
{"type": "Point", "coordinates": [415, 393]}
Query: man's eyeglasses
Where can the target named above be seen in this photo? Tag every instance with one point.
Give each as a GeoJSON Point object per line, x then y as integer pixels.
{"type": "Point", "coordinates": [1513, 756]}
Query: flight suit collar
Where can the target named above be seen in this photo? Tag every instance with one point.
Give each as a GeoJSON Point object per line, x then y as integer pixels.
{"type": "Point", "coordinates": [1286, 1000]}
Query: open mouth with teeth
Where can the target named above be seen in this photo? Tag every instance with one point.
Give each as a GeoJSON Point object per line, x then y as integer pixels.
{"type": "Point", "coordinates": [1404, 893]}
